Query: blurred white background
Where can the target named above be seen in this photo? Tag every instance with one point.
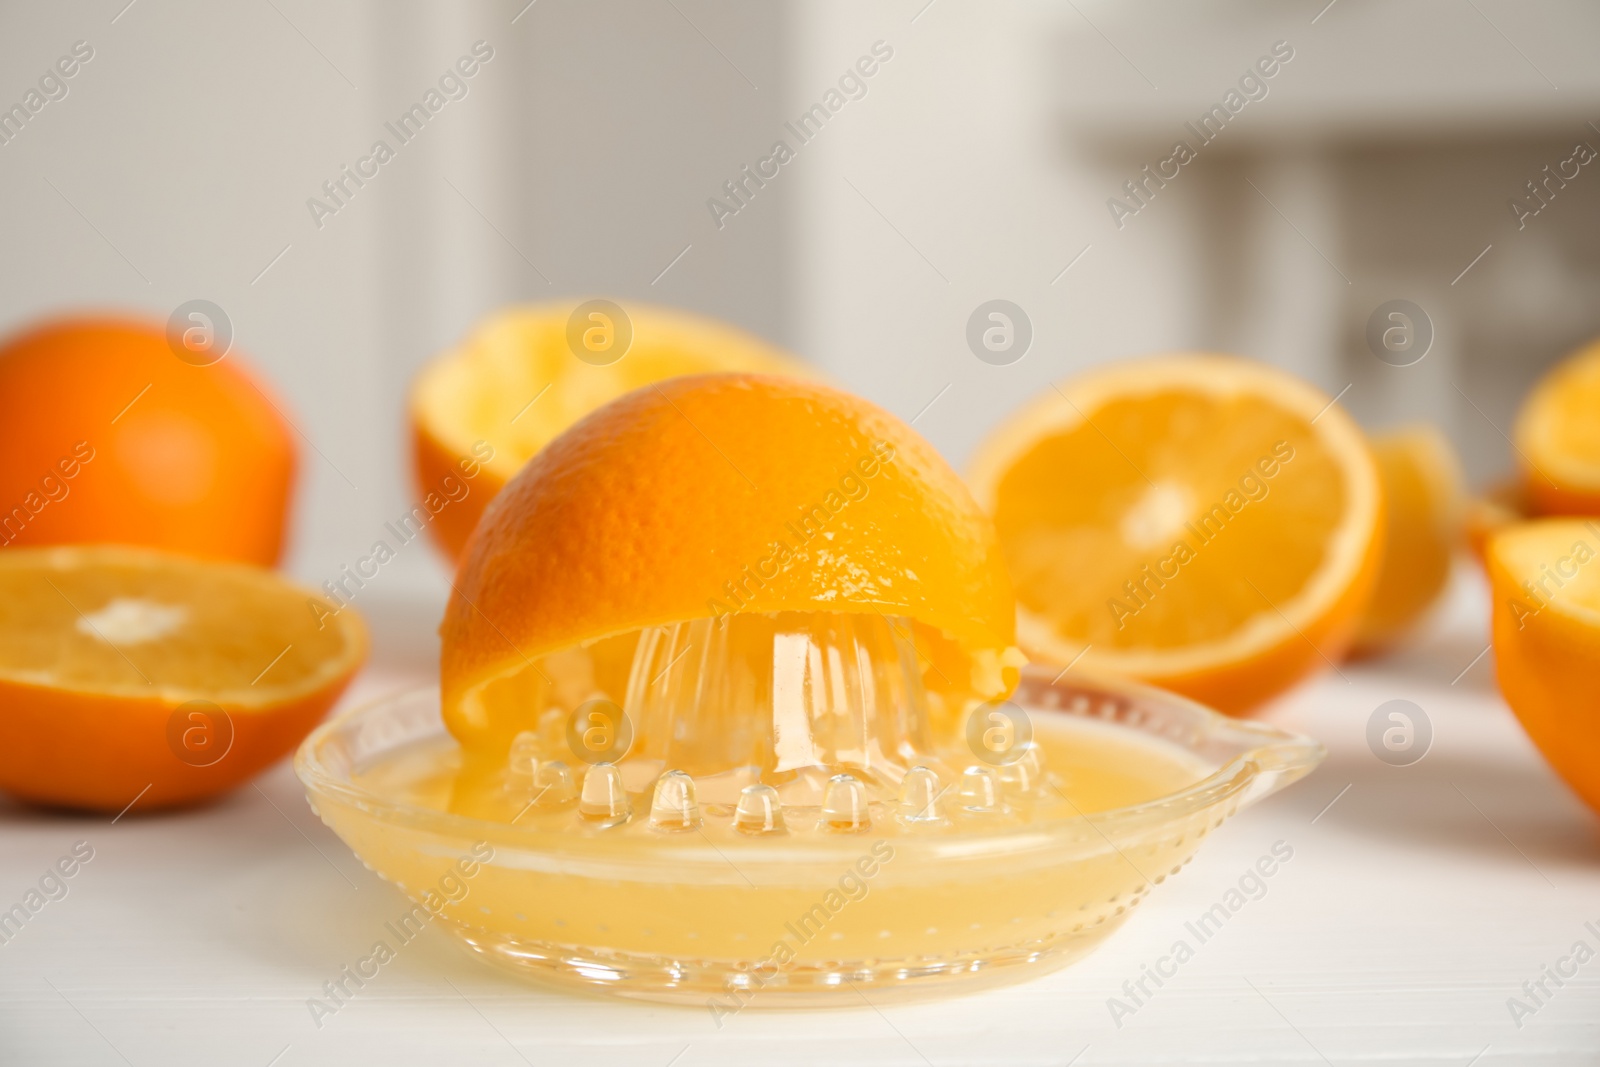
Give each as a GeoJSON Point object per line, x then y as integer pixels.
{"type": "Point", "coordinates": [978, 165]}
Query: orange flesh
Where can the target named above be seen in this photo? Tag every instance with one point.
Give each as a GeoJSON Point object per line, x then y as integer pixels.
{"type": "Point", "coordinates": [1557, 437]}
{"type": "Point", "coordinates": [1143, 480]}
{"type": "Point", "coordinates": [74, 626]}
{"type": "Point", "coordinates": [127, 673]}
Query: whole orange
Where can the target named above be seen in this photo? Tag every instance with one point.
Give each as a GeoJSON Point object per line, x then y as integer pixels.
{"type": "Point", "coordinates": [107, 436]}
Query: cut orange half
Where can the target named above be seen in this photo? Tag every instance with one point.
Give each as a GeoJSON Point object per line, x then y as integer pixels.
{"type": "Point", "coordinates": [706, 498]}
{"type": "Point", "coordinates": [1557, 435]}
{"type": "Point", "coordinates": [480, 412]}
{"type": "Point", "coordinates": [1202, 522]}
{"type": "Point", "coordinates": [1423, 526]}
{"type": "Point", "coordinates": [1546, 581]}
{"type": "Point", "coordinates": [130, 673]}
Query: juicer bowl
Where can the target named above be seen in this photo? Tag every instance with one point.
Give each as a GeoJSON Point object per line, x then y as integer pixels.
{"type": "Point", "coordinates": [790, 920]}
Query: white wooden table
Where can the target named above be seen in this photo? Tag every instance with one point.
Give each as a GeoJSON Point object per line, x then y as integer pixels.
{"type": "Point", "coordinates": [1413, 907]}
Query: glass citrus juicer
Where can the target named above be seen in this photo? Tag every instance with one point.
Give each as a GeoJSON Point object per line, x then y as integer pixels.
{"type": "Point", "coordinates": [730, 713]}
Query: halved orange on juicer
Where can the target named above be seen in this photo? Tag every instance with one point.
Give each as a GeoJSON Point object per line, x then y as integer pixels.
{"type": "Point", "coordinates": [130, 674]}
{"type": "Point", "coordinates": [482, 410]}
{"type": "Point", "coordinates": [1204, 523]}
{"type": "Point", "coordinates": [716, 497]}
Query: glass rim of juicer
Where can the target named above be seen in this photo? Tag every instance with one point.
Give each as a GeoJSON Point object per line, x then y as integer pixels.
{"type": "Point", "coordinates": [670, 896]}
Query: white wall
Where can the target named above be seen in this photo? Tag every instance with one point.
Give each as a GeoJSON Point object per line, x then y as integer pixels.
{"type": "Point", "coordinates": [1387, 148]}
{"type": "Point", "coordinates": [948, 186]}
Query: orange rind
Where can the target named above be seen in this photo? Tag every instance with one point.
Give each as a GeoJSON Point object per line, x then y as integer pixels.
{"type": "Point", "coordinates": [1422, 488]}
{"type": "Point", "coordinates": [1545, 580]}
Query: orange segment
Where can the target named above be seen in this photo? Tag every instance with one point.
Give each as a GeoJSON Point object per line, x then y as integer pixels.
{"type": "Point", "coordinates": [103, 651]}
{"type": "Point", "coordinates": [1545, 577]}
{"type": "Point", "coordinates": [717, 495]}
{"type": "Point", "coordinates": [483, 410]}
{"type": "Point", "coordinates": [1202, 522]}
{"type": "Point", "coordinates": [1557, 435]}
{"type": "Point", "coordinates": [1422, 527]}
